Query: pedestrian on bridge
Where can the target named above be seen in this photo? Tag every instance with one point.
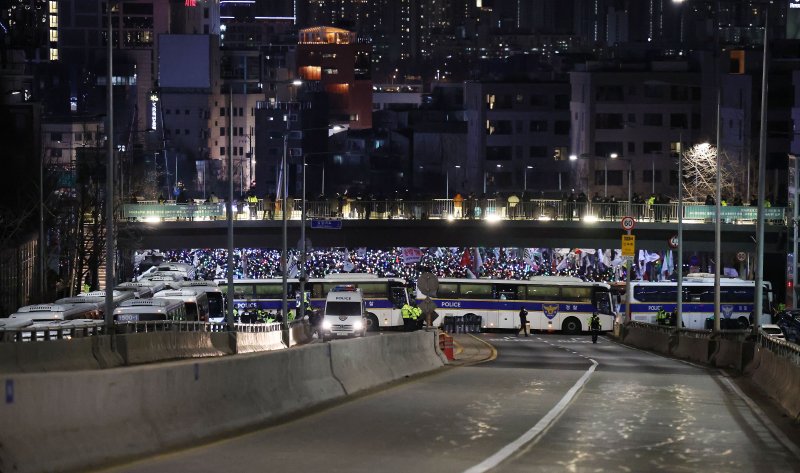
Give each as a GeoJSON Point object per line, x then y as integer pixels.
{"type": "Point", "coordinates": [523, 320]}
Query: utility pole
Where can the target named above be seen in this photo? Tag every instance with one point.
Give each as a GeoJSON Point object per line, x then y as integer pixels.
{"type": "Point", "coordinates": [109, 299]}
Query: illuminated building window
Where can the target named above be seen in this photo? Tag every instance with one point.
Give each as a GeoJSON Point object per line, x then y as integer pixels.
{"type": "Point", "coordinates": [53, 21]}
{"type": "Point", "coordinates": [53, 54]}
{"type": "Point", "coordinates": [53, 35]}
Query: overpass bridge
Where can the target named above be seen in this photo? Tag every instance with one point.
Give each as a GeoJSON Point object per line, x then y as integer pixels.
{"type": "Point", "coordinates": [442, 222]}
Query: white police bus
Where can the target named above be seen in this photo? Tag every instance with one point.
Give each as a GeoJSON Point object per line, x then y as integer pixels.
{"type": "Point", "coordinates": [554, 303]}
{"type": "Point", "coordinates": [737, 299]}
{"type": "Point", "coordinates": [383, 297]}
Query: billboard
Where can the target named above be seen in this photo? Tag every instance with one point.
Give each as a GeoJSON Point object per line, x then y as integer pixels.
{"type": "Point", "coordinates": [184, 61]}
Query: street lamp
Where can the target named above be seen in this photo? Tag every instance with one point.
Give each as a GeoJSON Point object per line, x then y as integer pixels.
{"type": "Point", "coordinates": [525, 178]}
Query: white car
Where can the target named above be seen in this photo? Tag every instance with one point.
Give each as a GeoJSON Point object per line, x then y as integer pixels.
{"type": "Point", "coordinates": [773, 331]}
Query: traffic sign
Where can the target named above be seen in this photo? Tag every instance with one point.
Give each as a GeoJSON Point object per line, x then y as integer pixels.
{"type": "Point", "coordinates": [628, 223]}
{"type": "Point", "coordinates": [628, 245]}
{"type": "Point", "coordinates": [673, 241]}
{"type": "Point", "coordinates": [327, 224]}
{"type": "Point", "coordinates": [741, 256]}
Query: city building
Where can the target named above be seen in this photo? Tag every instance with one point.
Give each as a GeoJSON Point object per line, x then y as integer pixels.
{"type": "Point", "coordinates": [340, 62]}
{"type": "Point", "coordinates": [518, 137]}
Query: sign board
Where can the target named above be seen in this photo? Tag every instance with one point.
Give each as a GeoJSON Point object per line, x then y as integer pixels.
{"type": "Point", "coordinates": [741, 256]}
{"type": "Point", "coordinates": [628, 223]}
{"type": "Point", "coordinates": [673, 241]}
{"type": "Point", "coordinates": [332, 224]}
{"type": "Point", "coordinates": [628, 245]}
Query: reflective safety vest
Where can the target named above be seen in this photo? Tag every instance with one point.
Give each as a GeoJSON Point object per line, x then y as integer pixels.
{"type": "Point", "coordinates": [416, 312]}
{"type": "Point", "coordinates": [407, 311]}
{"type": "Point", "coordinates": [291, 315]}
{"type": "Point", "coordinates": [594, 322]}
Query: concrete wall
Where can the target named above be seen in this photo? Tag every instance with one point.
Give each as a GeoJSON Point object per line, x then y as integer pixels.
{"type": "Point", "coordinates": [777, 376]}
{"type": "Point", "coordinates": [78, 419]}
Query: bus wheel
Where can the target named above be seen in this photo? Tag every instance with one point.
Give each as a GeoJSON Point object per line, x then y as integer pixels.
{"type": "Point", "coordinates": [572, 325]}
{"type": "Point", "coordinates": [372, 323]}
{"type": "Point", "coordinates": [743, 323]}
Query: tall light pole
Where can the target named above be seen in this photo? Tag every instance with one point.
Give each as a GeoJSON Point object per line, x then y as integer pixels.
{"type": "Point", "coordinates": [229, 213]}
{"type": "Point", "coordinates": [679, 302]}
{"type": "Point", "coordinates": [525, 179]}
{"type": "Point", "coordinates": [109, 300]}
{"type": "Point", "coordinates": [717, 214]}
{"type": "Point", "coordinates": [762, 159]}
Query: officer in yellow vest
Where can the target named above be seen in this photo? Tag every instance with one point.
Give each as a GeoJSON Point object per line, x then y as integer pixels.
{"type": "Point", "coordinates": [408, 317]}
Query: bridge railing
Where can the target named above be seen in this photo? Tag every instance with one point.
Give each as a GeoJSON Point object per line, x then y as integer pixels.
{"type": "Point", "coordinates": [481, 209]}
{"type": "Point", "coordinates": [780, 347]}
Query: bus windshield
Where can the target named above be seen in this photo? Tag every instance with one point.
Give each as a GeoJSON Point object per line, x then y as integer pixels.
{"type": "Point", "coordinates": [343, 308]}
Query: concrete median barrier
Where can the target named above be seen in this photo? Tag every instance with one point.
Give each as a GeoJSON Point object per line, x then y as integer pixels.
{"type": "Point", "coordinates": [261, 341]}
{"type": "Point", "coordinates": [648, 338]}
{"type": "Point", "coordinates": [80, 419]}
{"type": "Point", "coordinates": [691, 348]}
{"type": "Point", "coordinates": [138, 348]}
{"type": "Point", "coordinates": [53, 355]}
{"type": "Point", "coordinates": [777, 376]}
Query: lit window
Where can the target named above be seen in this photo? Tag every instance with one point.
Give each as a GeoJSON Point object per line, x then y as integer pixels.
{"type": "Point", "coordinates": [53, 54]}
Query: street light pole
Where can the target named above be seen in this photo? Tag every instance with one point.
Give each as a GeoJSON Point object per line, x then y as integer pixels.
{"type": "Point", "coordinates": [229, 213]}
{"type": "Point", "coordinates": [284, 206]}
{"type": "Point", "coordinates": [679, 303]}
{"type": "Point", "coordinates": [302, 311]}
{"type": "Point", "coordinates": [717, 223]}
{"type": "Point", "coordinates": [109, 299]}
{"type": "Point", "coordinates": [762, 159]}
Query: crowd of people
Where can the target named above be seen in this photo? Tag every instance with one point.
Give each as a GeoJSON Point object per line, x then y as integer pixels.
{"type": "Point", "coordinates": [604, 265]}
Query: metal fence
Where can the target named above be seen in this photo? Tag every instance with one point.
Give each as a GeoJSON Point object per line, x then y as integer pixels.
{"type": "Point", "coordinates": [537, 209]}
{"type": "Point", "coordinates": [34, 333]}
{"type": "Point", "coordinates": [780, 347]}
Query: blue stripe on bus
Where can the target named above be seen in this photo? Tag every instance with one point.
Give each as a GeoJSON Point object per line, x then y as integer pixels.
{"type": "Point", "coordinates": [690, 307]}
{"type": "Point", "coordinates": [467, 304]}
{"type": "Point", "coordinates": [274, 304]}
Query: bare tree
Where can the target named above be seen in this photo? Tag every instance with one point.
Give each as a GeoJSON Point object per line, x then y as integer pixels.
{"type": "Point", "coordinates": [700, 173]}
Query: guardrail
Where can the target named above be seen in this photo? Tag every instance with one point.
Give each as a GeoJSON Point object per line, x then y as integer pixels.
{"type": "Point", "coordinates": [71, 329]}
{"type": "Point", "coordinates": [536, 209]}
{"type": "Point", "coordinates": [780, 347]}
{"type": "Point", "coordinates": [47, 333]}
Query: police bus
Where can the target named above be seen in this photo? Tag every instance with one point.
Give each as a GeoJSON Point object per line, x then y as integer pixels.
{"type": "Point", "coordinates": [155, 309]}
{"type": "Point", "coordinates": [383, 297]}
{"type": "Point", "coordinates": [737, 298]}
{"type": "Point", "coordinates": [216, 302]}
{"type": "Point", "coordinates": [554, 303]}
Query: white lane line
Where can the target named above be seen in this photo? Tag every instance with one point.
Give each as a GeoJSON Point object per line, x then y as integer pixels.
{"type": "Point", "coordinates": [776, 432]}
{"type": "Point", "coordinates": [537, 429]}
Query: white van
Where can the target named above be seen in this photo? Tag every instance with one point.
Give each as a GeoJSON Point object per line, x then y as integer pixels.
{"type": "Point", "coordinates": [216, 303]}
{"type": "Point", "coordinates": [144, 310]}
{"type": "Point", "coordinates": [344, 313]}
{"type": "Point", "coordinates": [141, 289]}
{"type": "Point", "coordinates": [195, 299]}
{"type": "Point", "coordinates": [53, 312]}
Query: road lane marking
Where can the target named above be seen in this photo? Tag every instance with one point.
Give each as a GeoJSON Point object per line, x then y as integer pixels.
{"type": "Point", "coordinates": [493, 356]}
{"type": "Point", "coordinates": [537, 429]}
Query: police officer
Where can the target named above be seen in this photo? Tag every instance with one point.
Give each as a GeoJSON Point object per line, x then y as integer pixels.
{"type": "Point", "coordinates": [594, 326]}
{"type": "Point", "coordinates": [523, 319]}
{"type": "Point", "coordinates": [407, 312]}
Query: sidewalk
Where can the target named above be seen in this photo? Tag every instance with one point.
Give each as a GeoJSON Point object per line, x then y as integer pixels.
{"type": "Point", "coordinates": [469, 350]}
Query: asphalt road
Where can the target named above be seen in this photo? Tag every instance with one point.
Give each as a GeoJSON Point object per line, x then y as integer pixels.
{"type": "Point", "coordinates": [547, 403]}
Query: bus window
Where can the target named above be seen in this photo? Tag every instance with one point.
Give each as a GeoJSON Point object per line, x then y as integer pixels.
{"type": "Point", "coordinates": [447, 291]}
{"type": "Point", "coordinates": [736, 294]}
{"type": "Point", "coordinates": [316, 291]}
{"type": "Point", "coordinates": [508, 292]}
{"type": "Point", "coordinates": [373, 290]}
{"type": "Point", "coordinates": [476, 291]}
{"type": "Point", "coordinates": [602, 302]}
{"type": "Point", "coordinates": [399, 297]}
{"type": "Point", "coordinates": [543, 293]}
{"type": "Point", "coordinates": [576, 294]}
{"type": "Point", "coordinates": [700, 293]}
{"type": "Point", "coordinates": [191, 311]}
{"type": "Point", "coordinates": [215, 305]}
{"type": "Point", "coordinates": [269, 290]}
{"type": "Point", "coordinates": [646, 293]}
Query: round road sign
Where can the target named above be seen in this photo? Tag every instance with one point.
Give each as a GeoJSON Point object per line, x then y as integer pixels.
{"type": "Point", "coordinates": [741, 256]}
{"type": "Point", "coordinates": [673, 241]}
{"type": "Point", "coordinates": [628, 223]}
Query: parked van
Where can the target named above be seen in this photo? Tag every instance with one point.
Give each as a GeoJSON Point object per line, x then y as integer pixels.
{"type": "Point", "coordinates": [344, 313]}
{"type": "Point", "coordinates": [196, 301]}
{"type": "Point", "coordinates": [53, 312]}
{"type": "Point", "coordinates": [216, 302]}
{"type": "Point", "coordinates": [141, 289]}
{"type": "Point", "coordinates": [145, 310]}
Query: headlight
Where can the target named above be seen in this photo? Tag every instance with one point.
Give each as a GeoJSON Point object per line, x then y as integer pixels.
{"type": "Point", "coordinates": [326, 325]}
{"type": "Point", "coordinates": [358, 325]}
